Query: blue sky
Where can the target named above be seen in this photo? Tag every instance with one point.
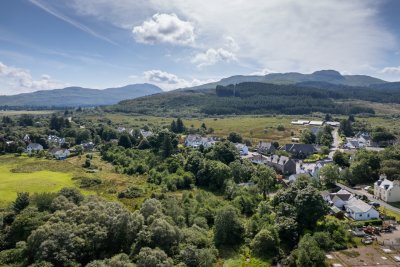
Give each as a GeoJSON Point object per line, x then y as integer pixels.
{"type": "Point", "coordinates": [47, 44]}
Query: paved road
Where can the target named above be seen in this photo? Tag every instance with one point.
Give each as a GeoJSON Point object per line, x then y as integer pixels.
{"type": "Point", "coordinates": [370, 197]}
{"type": "Point", "coordinates": [335, 144]}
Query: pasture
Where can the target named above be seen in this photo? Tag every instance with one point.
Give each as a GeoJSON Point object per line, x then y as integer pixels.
{"type": "Point", "coordinates": [33, 175]}
{"type": "Point", "coordinates": [24, 112]}
{"type": "Point", "coordinates": [13, 179]}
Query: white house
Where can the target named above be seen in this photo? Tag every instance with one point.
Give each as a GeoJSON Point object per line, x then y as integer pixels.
{"type": "Point", "coordinates": [360, 140]}
{"type": "Point", "coordinates": [338, 199]}
{"type": "Point", "coordinates": [145, 133]}
{"type": "Point", "coordinates": [363, 138]}
{"type": "Point", "coordinates": [360, 211]}
{"type": "Point", "coordinates": [242, 148]}
{"type": "Point", "coordinates": [32, 147]}
{"type": "Point", "coordinates": [59, 153]}
{"type": "Point", "coordinates": [195, 141]}
{"type": "Point", "coordinates": [386, 190]}
{"type": "Point", "coordinates": [53, 139]}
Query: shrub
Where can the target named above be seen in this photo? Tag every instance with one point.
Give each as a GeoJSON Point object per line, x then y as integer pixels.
{"type": "Point", "coordinates": [90, 182]}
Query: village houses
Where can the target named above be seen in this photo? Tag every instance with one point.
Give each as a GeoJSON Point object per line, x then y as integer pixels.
{"type": "Point", "coordinates": [33, 147]}
{"type": "Point", "coordinates": [59, 153]}
{"type": "Point", "coordinates": [386, 190]}
{"type": "Point", "coordinates": [265, 148]}
{"type": "Point", "coordinates": [195, 141]}
{"type": "Point", "coordinates": [354, 207]}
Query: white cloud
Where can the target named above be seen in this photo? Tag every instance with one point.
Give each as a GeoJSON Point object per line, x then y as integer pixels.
{"type": "Point", "coordinates": [263, 72]}
{"type": "Point", "coordinates": [392, 70]}
{"type": "Point", "coordinates": [169, 81]}
{"type": "Point", "coordinates": [165, 28]}
{"type": "Point", "coordinates": [15, 80]}
{"type": "Point", "coordinates": [288, 35]}
{"type": "Point", "coordinates": [213, 56]}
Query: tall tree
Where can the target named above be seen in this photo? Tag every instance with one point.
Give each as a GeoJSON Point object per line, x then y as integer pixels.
{"type": "Point", "coordinates": [180, 127]}
{"type": "Point", "coordinates": [307, 137]}
{"type": "Point", "coordinates": [264, 177]}
{"type": "Point", "coordinates": [21, 202]}
{"type": "Point", "coordinates": [228, 228]}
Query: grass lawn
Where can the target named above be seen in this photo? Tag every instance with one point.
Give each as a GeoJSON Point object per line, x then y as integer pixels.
{"type": "Point", "coordinates": [395, 204]}
{"type": "Point", "coordinates": [390, 213]}
{"type": "Point", "coordinates": [39, 181]}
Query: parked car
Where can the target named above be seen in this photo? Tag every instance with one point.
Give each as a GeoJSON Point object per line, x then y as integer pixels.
{"type": "Point", "coordinates": [375, 204]}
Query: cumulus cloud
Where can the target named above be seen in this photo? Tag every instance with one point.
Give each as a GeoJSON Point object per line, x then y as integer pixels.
{"type": "Point", "coordinates": [169, 81]}
{"type": "Point", "coordinates": [165, 28]}
{"type": "Point", "coordinates": [213, 56]}
{"type": "Point", "coordinates": [15, 80]}
{"type": "Point", "coordinates": [391, 70]}
{"type": "Point", "coordinates": [263, 72]}
{"type": "Point", "coordinates": [289, 35]}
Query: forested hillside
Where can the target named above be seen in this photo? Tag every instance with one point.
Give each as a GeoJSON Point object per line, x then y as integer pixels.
{"type": "Point", "coordinates": [260, 98]}
{"type": "Point", "coordinates": [78, 96]}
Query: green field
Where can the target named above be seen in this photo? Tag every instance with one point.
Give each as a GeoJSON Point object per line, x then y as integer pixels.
{"type": "Point", "coordinates": [12, 180]}
{"type": "Point", "coordinates": [253, 127]}
{"type": "Point", "coordinates": [22, 112]}
{"type": "Point", "coordinates": [33, 175]}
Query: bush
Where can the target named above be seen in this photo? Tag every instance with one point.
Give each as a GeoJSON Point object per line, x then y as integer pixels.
{"type": "Point", "coordinates": [90, 182]}
{"type": "Point", "coordinates": [43, 200]}
{"type": "Point", "coordinates": [131, 192]}
{"type": "Point", "coordinates": [280, 128]}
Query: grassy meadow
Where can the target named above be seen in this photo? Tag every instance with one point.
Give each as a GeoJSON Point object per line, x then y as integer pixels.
{"type": "Point", "coordinates": [17, 176]}
{"type": "Point", "coordinates": [24, 112]}
{"type": "Point", "coordinates": [253, 127]}
{"type": "Point", "coordinates": [33, 175]}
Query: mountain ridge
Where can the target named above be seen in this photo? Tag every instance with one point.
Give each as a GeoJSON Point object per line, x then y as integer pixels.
{"type": "Point", "coordinates": [74, 96]}
{"type": "Point", "coordinates": [331, 76]}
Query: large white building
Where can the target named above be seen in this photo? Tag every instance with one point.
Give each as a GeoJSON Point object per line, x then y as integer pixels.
{"type": "Point", "coordinates": [354, 207]}
{"type": "Point", "coordinates": [386, 190]}
{"type": "Point", "coordinates": [360, 211]}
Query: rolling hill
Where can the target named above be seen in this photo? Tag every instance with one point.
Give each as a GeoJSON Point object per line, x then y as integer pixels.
{"type": "Point", "coordinates": [328, 76]}
{"type": "Point", "coordinates": [78, 96]}
{"type": "Point", "coordinates": [259, 98]}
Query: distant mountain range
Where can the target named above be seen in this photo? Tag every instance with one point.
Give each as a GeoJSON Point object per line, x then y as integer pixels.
{"type": "Point", "coordinates": [78, 96]}
{"type": "Point", "coordinates": [324, 91]}
{"type": "Point", "coordinates": [328, 76]}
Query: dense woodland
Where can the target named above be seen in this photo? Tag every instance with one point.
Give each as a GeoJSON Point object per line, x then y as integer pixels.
{"type": "Point", "coordinates": [260, 98]}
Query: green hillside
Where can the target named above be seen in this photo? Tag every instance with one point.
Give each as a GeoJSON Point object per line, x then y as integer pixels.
{"type": "Point", "coordinates": [258, 98]}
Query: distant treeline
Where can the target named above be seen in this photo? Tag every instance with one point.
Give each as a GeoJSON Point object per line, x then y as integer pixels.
{"type": "Point", "coordinates": [254, 98]}
{"type": "Point", "coordinates": [18, 108]}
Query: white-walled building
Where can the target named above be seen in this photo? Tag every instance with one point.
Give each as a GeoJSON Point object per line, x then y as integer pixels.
{"type": "Point", "coordinates": [242, 148]}
{"type": "Point", "coordinates": [360, 211]}
{"type": "Point", "coordinates": [386, 190]}
{"type": "Point", "coordinates": [354, 207]}
{"type": "Point", "coordinates": [338, 199]}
